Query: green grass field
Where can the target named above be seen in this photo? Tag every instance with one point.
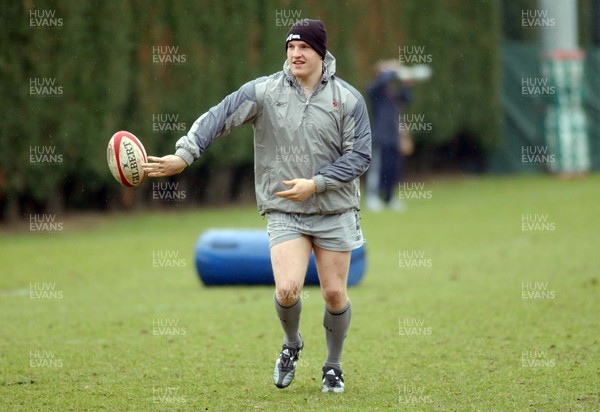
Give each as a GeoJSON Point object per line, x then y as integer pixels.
{"type": "Point", "coordinates": [460, 309]}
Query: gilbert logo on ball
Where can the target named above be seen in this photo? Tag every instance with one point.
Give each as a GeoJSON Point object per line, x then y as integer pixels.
{"type": "Point", "coordinates": [125, 155]}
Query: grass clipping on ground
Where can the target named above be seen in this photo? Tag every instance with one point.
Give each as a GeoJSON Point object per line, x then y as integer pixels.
{"type": "Point", "coordinates": [483, 295]}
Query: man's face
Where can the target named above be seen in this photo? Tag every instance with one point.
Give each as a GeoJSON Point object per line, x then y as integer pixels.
{"type": "Point", "coordinates": [303, 59]}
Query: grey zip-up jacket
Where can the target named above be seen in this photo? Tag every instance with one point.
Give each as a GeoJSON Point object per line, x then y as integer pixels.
{"type": "Point", "coordinates": [326, 137]}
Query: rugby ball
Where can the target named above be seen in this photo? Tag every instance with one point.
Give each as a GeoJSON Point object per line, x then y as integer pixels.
{"type": "Point", "coordinates": [125, 155]}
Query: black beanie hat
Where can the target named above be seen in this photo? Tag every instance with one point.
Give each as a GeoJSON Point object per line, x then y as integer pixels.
{"type": "Point", "coordinates": [311, 32]}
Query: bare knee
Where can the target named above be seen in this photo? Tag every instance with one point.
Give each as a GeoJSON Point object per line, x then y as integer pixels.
{"type": "Point", "coordinates": [287, 293]}
{"type": "Point", "coordinates": [335, 297]}
{"type": "Point", "coordinates": [290, 260]}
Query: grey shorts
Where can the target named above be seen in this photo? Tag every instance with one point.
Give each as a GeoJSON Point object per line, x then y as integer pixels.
{"type": "Point", "coordinates": [340, 232]}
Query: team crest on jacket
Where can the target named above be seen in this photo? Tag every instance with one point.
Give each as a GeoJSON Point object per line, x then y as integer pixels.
{"type": "Point", "coordinates": [335, 105]}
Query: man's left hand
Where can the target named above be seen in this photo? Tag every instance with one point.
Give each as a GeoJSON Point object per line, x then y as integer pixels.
{"type": "Point", "coordinates": [301, 189]}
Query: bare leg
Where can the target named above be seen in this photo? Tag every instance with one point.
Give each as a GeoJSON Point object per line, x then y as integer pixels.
{"type": "Point", "coordinates": [290, 261]}
{"type": "Point", "coordinates": [333, 275]}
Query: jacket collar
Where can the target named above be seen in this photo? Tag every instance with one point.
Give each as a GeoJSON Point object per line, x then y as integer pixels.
{"type": "Point", "coordinates": [328, 72]}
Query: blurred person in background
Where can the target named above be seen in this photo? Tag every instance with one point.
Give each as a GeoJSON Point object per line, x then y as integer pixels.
{"type": "Point", "coordinates": [390, 94]}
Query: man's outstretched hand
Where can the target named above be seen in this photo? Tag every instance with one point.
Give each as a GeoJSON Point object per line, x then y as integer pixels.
{"type": "Point", "coordinates": [164, 166]}
{"type": "Point", "coordinates": [301, 190]}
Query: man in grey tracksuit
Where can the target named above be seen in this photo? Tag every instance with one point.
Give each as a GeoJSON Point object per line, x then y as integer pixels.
{"type": "Point", "coordinates": [312, 141]}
